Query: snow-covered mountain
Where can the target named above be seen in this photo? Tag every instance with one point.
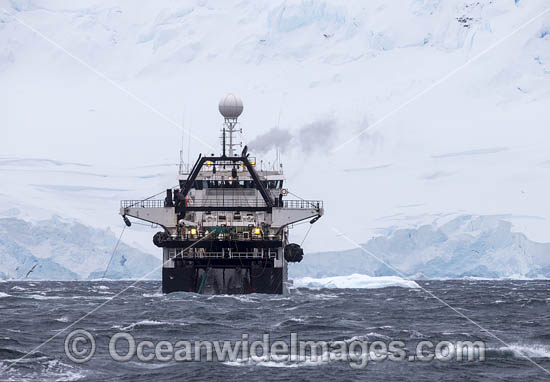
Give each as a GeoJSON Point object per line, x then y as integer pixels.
{"type": "Point", "coordinates": [56, 249]}
{"type": "Point", "coordinates": [466, 246]}
{"type": "Point", "coordinates": [454, 96]}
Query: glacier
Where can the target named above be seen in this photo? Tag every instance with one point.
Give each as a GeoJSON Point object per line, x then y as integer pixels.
{"type": "Point", "coordinates": [475, 144]}
{"type": "Point", "coordinates": [60, 249]}
{"type": "Point", "coordinates": [474, 147]}
{"type": "Point", "coordinates": [465, 246]}
{"type": "Point", "coordinates": [462, 247]}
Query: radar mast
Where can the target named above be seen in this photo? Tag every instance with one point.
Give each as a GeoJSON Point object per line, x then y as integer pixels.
{"type": "Point", "coordinates": [230, 108]}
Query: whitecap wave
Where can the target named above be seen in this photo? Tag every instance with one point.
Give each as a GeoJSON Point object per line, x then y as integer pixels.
{"type": "Point", "coordinates": [2, 294]}
{"type": "Point", "coordinates": [142, 323]}
{"type": "Point", "coordinates": [241, 298]}
{"type": "Point", "coordinates": [290, 320]}
{"type": "Point", "coordinates": [41, 297]}
{"type": "Point", "coordinates": [271, 362]}
{"type": "Point", "coordinates": [354, 281]}
{"type": "Point", "coordinates": [158, 294]}
{"type": "Point", "coordinates": [527, 350]}
{"type": "Point", "coordinates": [377, 335]}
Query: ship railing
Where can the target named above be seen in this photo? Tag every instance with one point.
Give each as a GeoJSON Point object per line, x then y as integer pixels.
{"type": "Point", "coordinates": [180, 253]}
{"type": "Point", "coordinates": [148, 203]}
{"type": "Point", "coordinates": [230, 202]}
{"type": "Point", "coordinates": [209, 165]}
{"type": "Point", "coordinates": [195, 203]}
{"type": "Point", "coordinates": [227, 202]}
{"type": "Point", "coordinates": [301, 203]}
{"type": "Point", "coordinates": [235, 236]}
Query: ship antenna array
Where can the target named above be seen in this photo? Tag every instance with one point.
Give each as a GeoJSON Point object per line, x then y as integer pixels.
{"type": "Point", "coordinates": [184, 166]}
{"type": "Point", "coordinates": [230, 108]}
{"type": "Point", "coordinates": [229, 142]}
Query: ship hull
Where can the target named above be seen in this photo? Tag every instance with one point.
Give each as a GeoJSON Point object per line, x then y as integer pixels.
{"type": "Point", "coordinates": [224, 277]}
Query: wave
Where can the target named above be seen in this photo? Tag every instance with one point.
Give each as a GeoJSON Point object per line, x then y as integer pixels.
{"type": "Point", "coordinates": [241, 298]}
{"type": "Point", "coordinates": [142, 323]}
{"type": "Point", "coordinates": [270, 362]}
{"type": "Point", "coordinates": [354, 281]}
{"type": "Point", "coordinates": [367, 337]}
{"type": "Point", "coordinates": [41, 297]}
{"type": "Point", "coordinates": [158, 294]}
{"type": "Point", "coordinates": [290, 321]}
{"type": "Point", "coordinates": [525, 350]}
{"type": "Point", "coordinates": [478, 278]}
{"type": "Point", "coordinates": [2, 294]}
{"type": "Point", "coordinates": [79, 297]}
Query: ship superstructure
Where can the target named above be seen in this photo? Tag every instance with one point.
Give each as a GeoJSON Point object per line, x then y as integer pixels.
{"type": "Point", "coordinates": [226, 227]}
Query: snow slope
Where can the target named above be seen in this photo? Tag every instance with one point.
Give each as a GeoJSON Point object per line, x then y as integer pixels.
{"type": "Point", "coordinates": [38, 189]}
{"type": "Point", "coordinates": [466, 246]}
{"type": "Point", "coordinates": [73, 143]}
{"type": "Point", "coordinates": [57, 249]}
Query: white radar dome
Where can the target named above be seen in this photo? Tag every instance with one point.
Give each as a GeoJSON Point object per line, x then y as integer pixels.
{"type": "Point", "coordinates": [231, 106]}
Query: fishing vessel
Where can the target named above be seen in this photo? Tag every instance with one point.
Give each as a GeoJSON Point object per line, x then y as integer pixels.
{"type": "Point", "coordinates": [225, 228]}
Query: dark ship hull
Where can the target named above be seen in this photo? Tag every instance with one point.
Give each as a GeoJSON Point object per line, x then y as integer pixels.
{"type": "Point", "coordinates": [223, 266]}
{"type": "Point", "coordinates": [223, 277]}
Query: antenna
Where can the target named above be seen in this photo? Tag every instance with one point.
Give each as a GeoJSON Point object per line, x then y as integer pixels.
{"type": "Point", "coordinates": [188, 148]}
{"type": "Point", "coordinates": [277, 153]}
{"type": "Point", "coordinates": [181, 149]}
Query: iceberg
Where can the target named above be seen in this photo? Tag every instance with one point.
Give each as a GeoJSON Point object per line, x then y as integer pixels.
{"type": "Point", "coordinates": [466, 246]}
{"type": "Point", "coordinates": [354, 281]}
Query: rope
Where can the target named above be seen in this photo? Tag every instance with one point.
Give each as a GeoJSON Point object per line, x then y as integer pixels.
{"type": "Point", "coordinates": [207, 265]}
{"type": "Point", "coordinates": [204, 277]}
{"type": "Point", "coordinates": [202, 282]}
{"type": "Point", "coordinates": [304, 200]}
{"type": "Point", "coordinates": [297, 224]}
{"type": "Point", "coordinates": [307, 233]}
{"type": "Point", "coordinates": [114, 251]}
{"type": "Point", "coordinates": [263, 270]}
{"type": "Point", "coordinates": [311, 225]}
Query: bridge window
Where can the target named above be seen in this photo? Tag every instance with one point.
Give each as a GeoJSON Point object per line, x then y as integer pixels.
{"type": "Point", "coordinates": [206, 184]}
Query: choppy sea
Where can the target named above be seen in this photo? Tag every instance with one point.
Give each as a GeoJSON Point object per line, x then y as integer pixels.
{"type": "Point", "coordinates": [511, 318]}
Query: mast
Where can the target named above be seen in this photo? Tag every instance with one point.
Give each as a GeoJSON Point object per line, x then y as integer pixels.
{"type": "Point", "coordinates": [231, 108]}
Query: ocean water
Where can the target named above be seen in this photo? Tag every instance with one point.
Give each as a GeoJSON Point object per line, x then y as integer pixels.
{"type": "Point", "coordinates": [517, 312]}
